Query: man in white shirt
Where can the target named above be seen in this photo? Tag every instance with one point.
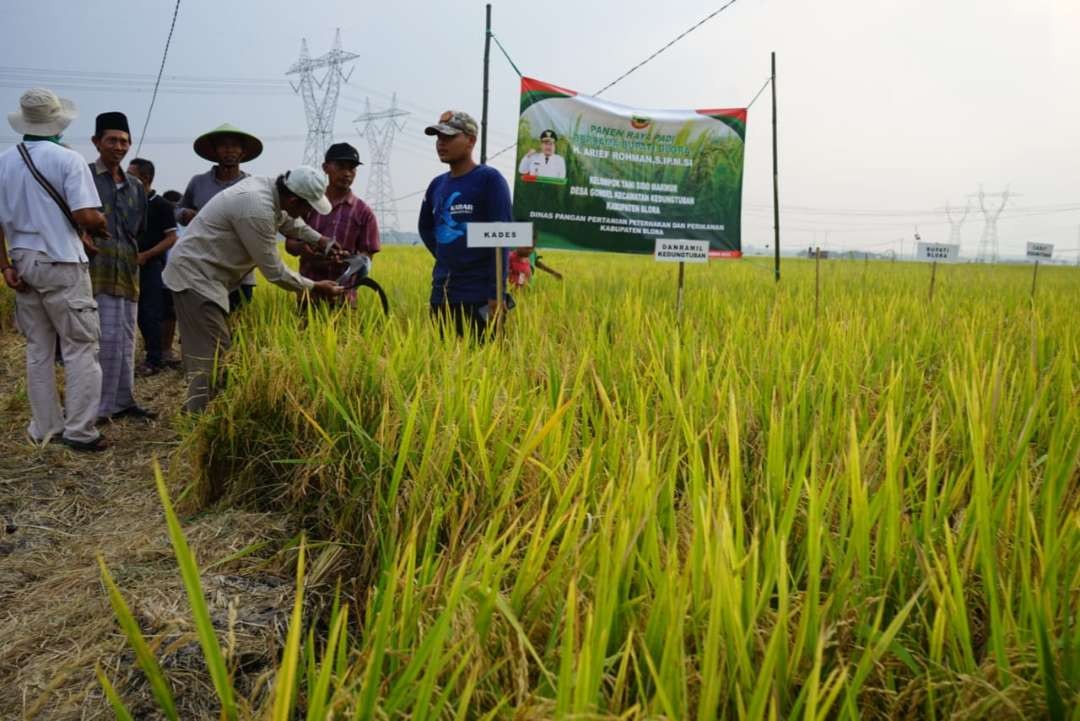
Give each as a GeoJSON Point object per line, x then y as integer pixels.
{"type": "Point", "coordinates": [43, 259]}
{"type": "Point", "coordinates": [545, 163]}
{"type": "Point", "coordinates": [234, 233]}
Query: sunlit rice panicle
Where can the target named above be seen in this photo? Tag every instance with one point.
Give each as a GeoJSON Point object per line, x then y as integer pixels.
{"type": "Point", "coordinates": [753, 513]}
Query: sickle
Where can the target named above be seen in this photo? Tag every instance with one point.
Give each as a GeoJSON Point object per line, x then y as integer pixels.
{"type": "Point", "coordinates": [369, 283]}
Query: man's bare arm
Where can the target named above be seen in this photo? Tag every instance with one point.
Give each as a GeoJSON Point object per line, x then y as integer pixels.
{"type": "Point", "coordinates": [92, 221]}
{"type": "Point", "coordinates": [11, 276]}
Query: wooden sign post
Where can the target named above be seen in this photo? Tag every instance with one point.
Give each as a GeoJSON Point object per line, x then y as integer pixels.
{"type": "Point", "coordinates": [935, 253]}
{"type": "Point", "coordinates": [672, 250]}
{"type": "Point", "coordinates": [817, 281]}
{"type": "Point", "coordinates": [1037, 251]}
{"type": "Point", "coordinates": [498, 236]}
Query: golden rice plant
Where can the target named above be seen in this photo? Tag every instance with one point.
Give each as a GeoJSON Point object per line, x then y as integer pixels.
{"type": "Point", "coordinates": [749, 510]}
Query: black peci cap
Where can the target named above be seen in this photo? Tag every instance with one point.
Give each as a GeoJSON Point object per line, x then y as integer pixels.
{"type": "Point", "coordinates": [111, 121]}
{"type": "Point", "coordinates": [549, 135]}
{"type": "Point", "coordinates": [342, 153]}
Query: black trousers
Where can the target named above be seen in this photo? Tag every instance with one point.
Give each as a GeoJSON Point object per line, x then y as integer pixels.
{"type": "Point", "coordinates": [463, 317]}
{"type": "Point", "coordinates": [151, 311]}
{"type": "Point", "coordinates": [472, 318]}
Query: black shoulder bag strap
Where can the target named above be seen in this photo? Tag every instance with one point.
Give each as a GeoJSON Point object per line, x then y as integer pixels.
{"type": "Point", "coordinates": [25, 153]}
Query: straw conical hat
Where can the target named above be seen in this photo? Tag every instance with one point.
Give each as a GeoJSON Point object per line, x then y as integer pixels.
{"type": "Point", "coordinates": [204, 144]}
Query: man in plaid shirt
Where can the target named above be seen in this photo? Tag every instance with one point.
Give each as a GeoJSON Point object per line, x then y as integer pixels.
{"type": "Point", "coordinates": [114, 269]}
{"type": "Point", "coordinates": [350, 222]}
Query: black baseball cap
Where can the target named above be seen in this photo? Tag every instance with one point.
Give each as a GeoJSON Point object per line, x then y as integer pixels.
{"type": "Point", "coordinates": [342, 153]}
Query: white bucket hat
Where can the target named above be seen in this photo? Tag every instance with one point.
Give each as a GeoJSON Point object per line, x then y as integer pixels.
{"type": "Point", "coordinates": [42, 113]}
{"type": "Point", "coordinates": [309, 184]}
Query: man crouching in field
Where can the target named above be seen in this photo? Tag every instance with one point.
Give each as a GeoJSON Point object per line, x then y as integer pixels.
{"type": "Point", "coordinates": [234, 233]}
{"type": "Point", "coordinates": [463, 281]}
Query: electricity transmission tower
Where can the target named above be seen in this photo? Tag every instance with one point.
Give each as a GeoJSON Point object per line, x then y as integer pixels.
{"type": "Point", "coordinates": [319, 91]}
{"type": "Point", "coordinates": [988, 244]}
{"type": "Point", "coordinates": [956, 223]}
{"type": "Point", "coordinates": [379, 129]}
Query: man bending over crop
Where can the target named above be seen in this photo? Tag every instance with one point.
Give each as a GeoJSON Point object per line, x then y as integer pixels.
{"type": "Point", "coordinates": [235, 232]}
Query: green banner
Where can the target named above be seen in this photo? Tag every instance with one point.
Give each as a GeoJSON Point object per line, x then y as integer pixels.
{"type": "Point", "coordinates": [596, 175]}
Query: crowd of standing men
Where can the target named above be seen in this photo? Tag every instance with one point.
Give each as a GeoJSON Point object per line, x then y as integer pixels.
{"type": "Point", "coordinates": [92, 252]}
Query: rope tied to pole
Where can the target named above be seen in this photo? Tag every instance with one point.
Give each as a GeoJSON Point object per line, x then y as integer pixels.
{"type": "Point", "coordinates": [505, 54]}
{"type": "Point", "coordinates": [677, 38]}
{"type": "Point", "coordinates": [759, 92]}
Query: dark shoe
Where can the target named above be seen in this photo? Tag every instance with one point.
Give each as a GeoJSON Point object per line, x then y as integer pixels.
{"type": "Point", "coordinates": [95, 446]}
{"type": "Point", "coordinates": [148, 369]}
{"type": "Point", "coordinates": [134, 412]}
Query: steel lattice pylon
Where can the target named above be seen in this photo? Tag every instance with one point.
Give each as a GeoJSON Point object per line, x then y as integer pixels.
{"type": "Point", "coordinates": [379, 129]}
{"type": "Point", "coordinates": [955, 224]}
{"type": "Point", "coordinates": [988, 244]}
{"type": "Point", "coordinates": [320, 95]}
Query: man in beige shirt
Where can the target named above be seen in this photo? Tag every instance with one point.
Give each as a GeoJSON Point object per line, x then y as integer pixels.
{"type": "Point", "coordinates": [235, 232]}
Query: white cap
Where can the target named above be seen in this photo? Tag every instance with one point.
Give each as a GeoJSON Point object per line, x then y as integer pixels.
{"type": "Point", "coordinates": [309, 184]}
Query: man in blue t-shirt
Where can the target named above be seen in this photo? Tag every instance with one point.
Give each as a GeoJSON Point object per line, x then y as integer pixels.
{"type": "Point", "coordinates": [463, 280]}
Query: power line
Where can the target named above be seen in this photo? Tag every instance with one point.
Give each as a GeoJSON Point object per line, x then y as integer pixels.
{"type": "Point", "coordinates": [677, 38]}
{"type": "Point", "coordinates": [1025, 210]}
{"type": "Point", "coordinates": [99, 74]}
{"type": "Point", "coordinates": [157, 82]}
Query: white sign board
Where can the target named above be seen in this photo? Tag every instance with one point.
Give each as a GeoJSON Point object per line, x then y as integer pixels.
{"type": "Point", "coordinates": [681, 251]}
{"type": "Point", "coordinates": [1040, 250]}
{"type": "Point", "coordinates": [499, 235]}
{"type": "Point", "coordinates": [940, 252]}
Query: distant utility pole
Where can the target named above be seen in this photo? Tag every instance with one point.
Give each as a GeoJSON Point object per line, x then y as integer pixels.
{"type": "Point", "coordinates": [379, 129]}
{"type": "Point", "coordinates": [320, 94]}
{"type": "Point", "coordinates": [988, 244]}
{"type": "Point", "coordinates": [955, 224]}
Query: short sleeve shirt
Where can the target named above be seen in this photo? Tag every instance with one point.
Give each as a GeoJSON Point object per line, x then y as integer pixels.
{"type": "Point", "coordinates": [351, 223]}
{"type": "Point", "coordinates": [115, 269]}
{"type": "Point", "coordinates": [31, 219]}
{"type": "Point", "coordinates": [463, 274]}
{"type": "Point", "coordinates": [159, 221]}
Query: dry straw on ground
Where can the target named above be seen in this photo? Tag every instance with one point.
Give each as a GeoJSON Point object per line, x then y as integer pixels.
{"type": "Point", "coordinates": [58, 509]}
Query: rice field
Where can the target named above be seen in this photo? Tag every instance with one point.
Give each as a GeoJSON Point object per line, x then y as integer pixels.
{"type": "Point", "coordinates": [763, 508]}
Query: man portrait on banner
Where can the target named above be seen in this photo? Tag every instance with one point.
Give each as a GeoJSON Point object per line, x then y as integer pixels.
{"type": "Point", "coordinates": [543, 164]}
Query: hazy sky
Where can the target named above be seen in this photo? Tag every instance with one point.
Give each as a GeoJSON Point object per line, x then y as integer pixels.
{"type": "Point", "coordinates": [888, 108]}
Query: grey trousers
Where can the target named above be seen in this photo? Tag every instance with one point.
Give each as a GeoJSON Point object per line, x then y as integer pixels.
{"type": "Point", "coordinates": [204, 340]}
{"type": "Point", "coordinates": [117, 353]}
{"type": "Point", "coordinates": [59, 303]}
